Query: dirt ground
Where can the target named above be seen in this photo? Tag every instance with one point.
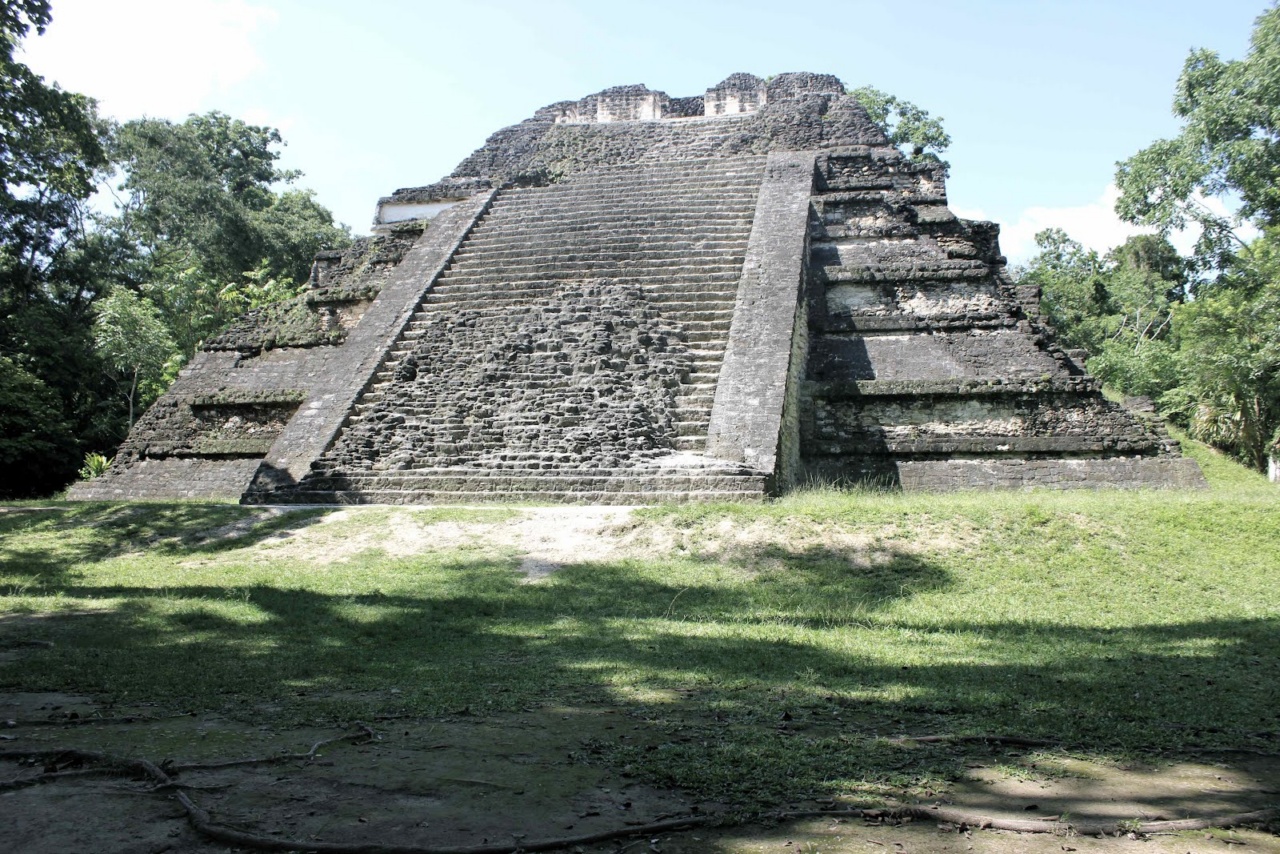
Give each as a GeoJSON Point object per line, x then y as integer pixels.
{"type": "Point", "coordinates": [516, 779]}
{"type": "Point", "coordinates": [461, 782]}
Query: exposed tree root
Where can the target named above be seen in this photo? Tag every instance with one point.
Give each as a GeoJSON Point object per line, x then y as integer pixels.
{"type": "Point", "coordinates": [364, 734]}
{"type": "Point", "coordinates": [986, 822]}
{"type": "Point", "coordinates": [202, 822]}
{"type": "Point", "coordinates": [203, 825]}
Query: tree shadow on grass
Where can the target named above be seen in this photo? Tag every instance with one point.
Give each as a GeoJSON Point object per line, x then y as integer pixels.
{"type": "Point", "coordinates": [84, 533]}
{"type": "Point", "coordinates": [787, 679]}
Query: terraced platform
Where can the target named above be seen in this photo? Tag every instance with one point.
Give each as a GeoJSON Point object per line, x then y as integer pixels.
{"type": "Point", "coordinates": [632, 298]}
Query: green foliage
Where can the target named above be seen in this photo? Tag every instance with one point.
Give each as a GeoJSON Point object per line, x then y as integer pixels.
{"type": "Point", "coordinates": [906, 124]}
{"type": "Point", "coordinates": [1209, 353]}
{"type": "Point", "coordinates": [95, 465]}
{"type": "Point", "coordinates": [52, 153]}
{"type": "Point", "coordinates": [1073, 293]}
{"type": "Point", "coordinates": [257, 289]}
{"type": "Point", "coordinates": [133, 342]}
{"type": "Point", "coordinates": [1229, 145]}
{"type": "Point", "coordinates": [207, 227]}
{"type": "Point", "coordinates": [1118, 307]}
{"type": "Point", "coordinates": [202, 194]}
{"type": "Point", "coordinates": [35, 444]}
{"type": "Point", "coordinates": [1225, 343]}
{"type": "Point", "coordinates": [215, 236]}
{"type": "Point", "coordinates": [1229, 357]}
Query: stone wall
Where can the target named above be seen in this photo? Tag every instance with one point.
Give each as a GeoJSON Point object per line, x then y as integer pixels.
{"type": "Point", "coordinates": [765, 349]}
{"type": "Point", "coordinates": [585, 374]}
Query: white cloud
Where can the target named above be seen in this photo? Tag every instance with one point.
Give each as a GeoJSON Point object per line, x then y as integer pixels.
{"type": "Point", "coordinates": [1094, 225]}
{"type": "Point", "coordinates": [158, 58]}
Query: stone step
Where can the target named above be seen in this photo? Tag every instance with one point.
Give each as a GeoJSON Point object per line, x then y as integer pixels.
{"type": "Point", "coordinates": [943, 446]}
{"type": "Point", "coordinates": [434, 313]}
{"type": "Point", "coordinates": [555, 241]}
{"type": "Point", "coordinates": [556, 233]}
{"type": "Point", "coordinates": [986, 387]}
{"type": "Point", "coordinates": [656, 287]}
{"type": "Point", "coordinates": [650, 280]}
{"type": "Point", "coordinates": [717, 170]}
{"type": "Point", "coordinates": [940, 270]}
{"type": "Point", "coordinates": [654, 181]}
{"type": "Point", "coordinates": [893, 186]}
{"type": "Point", "coordinates": [870, 229]}
{"type": "Point", "coordinates": [517, 259]}
{"type": "Point", "coordinates": [660, 174]}
{"type": "Point", "coordinates": [895, 196]}
{"type": "Point", "coordinates": [649, 284]}
{"type": "Point", "coordinates": [623, 206]}
{"type": "Point", "coordinates": [691, 427]}
{"type": "Point", "coordinates": [612, 251]}
{"type": "Point", "coordinates": [693, 330]}
{"type": "Point", "coordinates": [618, 211]}
{"type": "Point", "coordinates": [623, 195]}
{"type": "Point", "coordinates": [890, 324]}
{"type": "Point", "coordinates": [480, 480]}
{"type": "Point", "coordinates": [672, 306]}
{"type": "Point", "coordinates": [562, 267]}
{"type": "Point", "coordinates": [647, 176]}
{"type": "Point", "coordinates": [540, 496]}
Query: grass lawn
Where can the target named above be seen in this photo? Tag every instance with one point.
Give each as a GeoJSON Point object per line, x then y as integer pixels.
{"type": "Point", "coordinates": [780, 647]}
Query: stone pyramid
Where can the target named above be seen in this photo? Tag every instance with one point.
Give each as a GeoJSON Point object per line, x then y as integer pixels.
{"type": "Point", "coordinates": [633, 298]}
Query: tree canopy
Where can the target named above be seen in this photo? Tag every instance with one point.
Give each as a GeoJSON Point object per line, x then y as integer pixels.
{"type": "Point", "coordinates": [1201, 335]}
{"type": "Point", "coordinates": [906, 124]}
{"type": "Point", "coordinates": [98, 309]}
{"type": "Point", "coordinates": [1229, 147]}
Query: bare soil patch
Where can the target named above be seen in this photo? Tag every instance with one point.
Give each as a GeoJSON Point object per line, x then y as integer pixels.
{"type": "Point", "coordinates": [516, 779]}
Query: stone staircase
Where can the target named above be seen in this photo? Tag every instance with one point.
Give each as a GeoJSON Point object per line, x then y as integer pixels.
{"type": "Point", "coordinates": [569, 351]}
{"type": "Point", "coordinates": [928, 368]}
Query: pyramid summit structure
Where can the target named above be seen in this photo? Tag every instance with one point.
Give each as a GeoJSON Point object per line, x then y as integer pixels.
{"type": "Point", "coordinates": [633, 297]}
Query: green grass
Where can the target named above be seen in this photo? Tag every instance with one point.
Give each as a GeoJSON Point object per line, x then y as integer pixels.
{"type": "Point", "coordinates": [774, 666]}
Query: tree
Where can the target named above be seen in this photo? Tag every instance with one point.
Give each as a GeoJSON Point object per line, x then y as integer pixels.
{"type": "Point", "coordinates": [35, 444]}
{"type": "Point", "coordinates": [52, 154]}
{"type": "Point", "coordinates": [94, 308]}
{"type": "Point", "coordinates": [1226, 332]}
{"type": "Point", "coordinates": [905, 124]}
{"type": "Point", "coordinates": [1072, 289]}
{"type": "Point", "coordinates": [1229, 146]}
{"type": "Point", "coordinates": [1117, 307]}
{"type": "Point", "coordinates": [134, 343]}
{"type": "Point", "coordinates": [1230, 359]}
{"type": "Point", "coordinates": [200, 203]}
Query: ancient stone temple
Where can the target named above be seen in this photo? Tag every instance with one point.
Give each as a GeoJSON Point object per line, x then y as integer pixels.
{"type": "Point", "coordinates": [634, 297]}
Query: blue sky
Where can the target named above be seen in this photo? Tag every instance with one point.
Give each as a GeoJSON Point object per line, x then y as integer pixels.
{"type": "Point", "coordinates": [1041, 98]}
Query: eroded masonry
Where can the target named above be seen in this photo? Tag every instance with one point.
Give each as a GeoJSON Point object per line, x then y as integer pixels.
{"type": "Point", "coordinates": [634, 298]}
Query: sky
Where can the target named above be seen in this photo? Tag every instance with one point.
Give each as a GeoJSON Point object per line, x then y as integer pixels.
{"type": "Point", "coordinates": [1041, 98]}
